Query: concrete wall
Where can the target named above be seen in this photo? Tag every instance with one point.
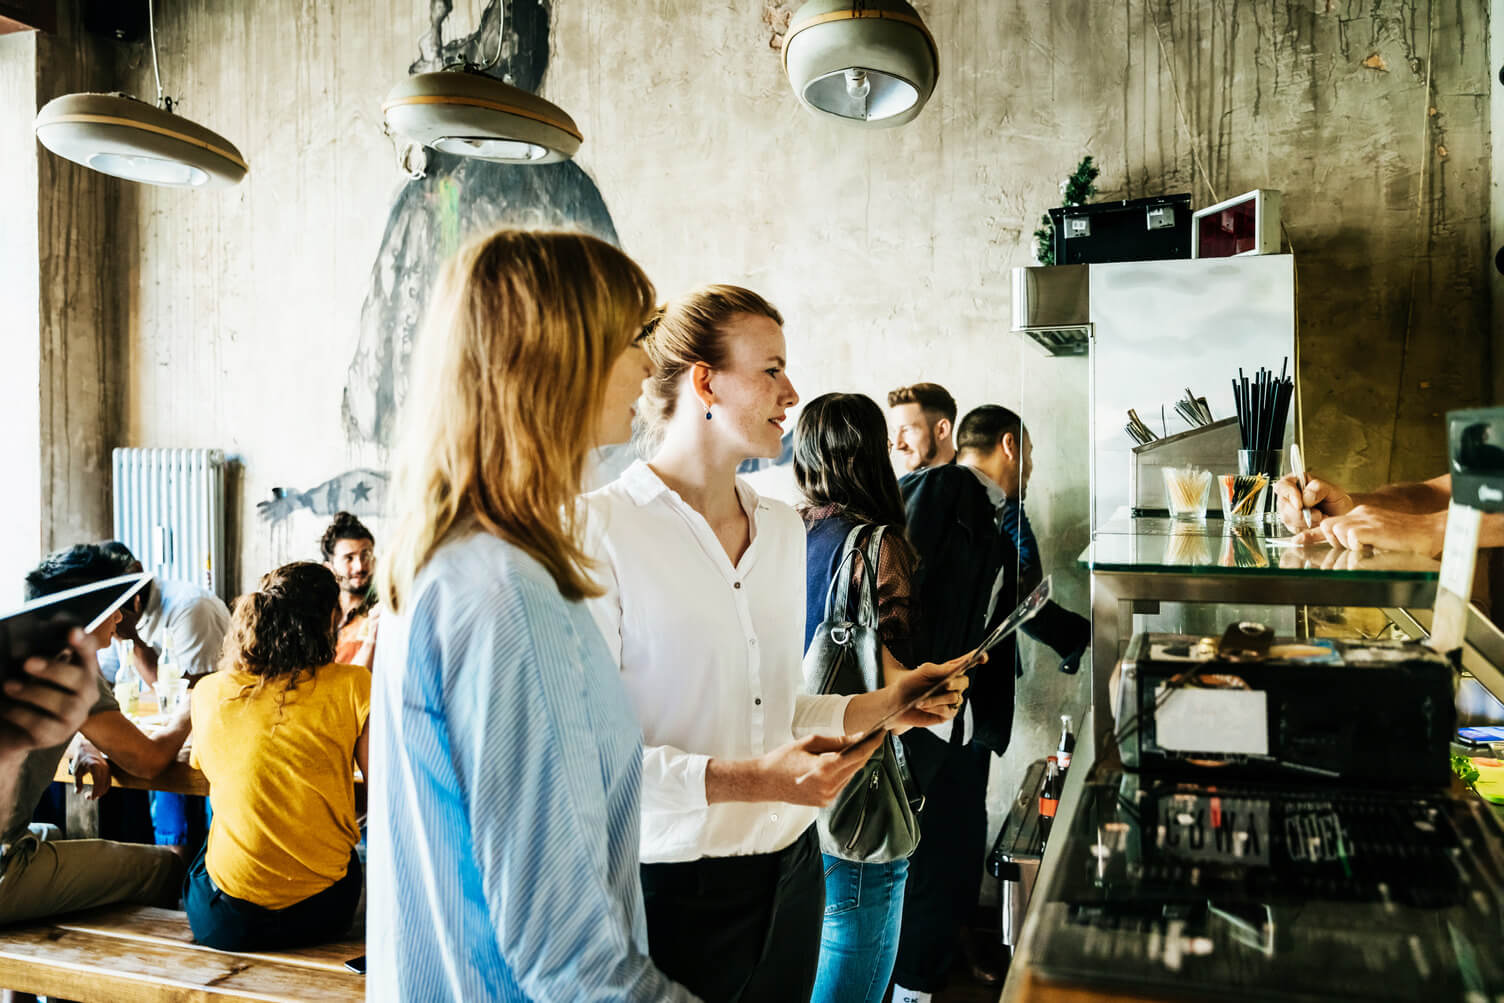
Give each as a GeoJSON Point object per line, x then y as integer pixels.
{"type": "Point", "coordinates": [888, 251]}
{"type": "Point", "coordinates": [81, 215]}
{"type": "Point", "coordinates": [60, 275]}
{"type": "Point", "coordinates": [20, 383]}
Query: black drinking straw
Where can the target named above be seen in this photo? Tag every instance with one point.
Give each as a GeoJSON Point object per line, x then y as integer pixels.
{"type": "Point", "coordinates": [1263, 407]}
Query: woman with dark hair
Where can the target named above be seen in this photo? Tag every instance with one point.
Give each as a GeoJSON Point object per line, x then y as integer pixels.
{"type": "Point", "coordinates": [279, 730]}
{"type": "Point", "coordinates": [842, 468]}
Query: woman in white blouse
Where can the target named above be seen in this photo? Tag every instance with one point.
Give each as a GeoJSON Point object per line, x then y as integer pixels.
{"type": "Point", "coordinates": [704, 609]}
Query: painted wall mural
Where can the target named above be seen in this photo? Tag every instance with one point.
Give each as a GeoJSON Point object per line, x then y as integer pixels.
{"type": "Point", "coordinates": [455, 198]}
{"type": "Point", "coordinates": [362, 492]}
{"type": "Point", "coordinates": [430, 217]}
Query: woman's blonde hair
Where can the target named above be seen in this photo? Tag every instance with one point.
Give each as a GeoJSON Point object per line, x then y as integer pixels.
{"type": "Point", "coordinates": [520, 336]}
{"type": "Point", "coordinates": [689, 330]}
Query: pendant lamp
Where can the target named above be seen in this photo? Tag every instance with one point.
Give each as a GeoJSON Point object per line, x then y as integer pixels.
{"type": "Point", "coordinates": [465, 111]}
{"type": "Point", "coordinates": [125, 137]}
{"type": "Point", "coordinates": [870, 62]}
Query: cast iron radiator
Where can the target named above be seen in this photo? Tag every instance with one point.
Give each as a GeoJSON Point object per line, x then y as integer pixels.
{"type": "Point", "coordinates": [170, 511]}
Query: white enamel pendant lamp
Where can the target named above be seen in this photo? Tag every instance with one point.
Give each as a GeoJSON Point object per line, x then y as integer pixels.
{"type": "Point", "coordinates": [868, 62]}
{"type": "Point", "coordinates": [465, 111]}
{"type": "Point", "coordinates": [119, 135]}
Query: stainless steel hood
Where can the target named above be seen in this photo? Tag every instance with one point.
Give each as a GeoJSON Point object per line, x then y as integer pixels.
{"type": "Point", "coordinates": [1051, 305]}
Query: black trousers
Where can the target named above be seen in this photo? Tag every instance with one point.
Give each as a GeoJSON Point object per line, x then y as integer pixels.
{"type": "Point", "coordinates": [226, 923]}
{"type": "Point", "coordinates": [739, 928]}
{"type": "Point", "coordinates": [945, 872]}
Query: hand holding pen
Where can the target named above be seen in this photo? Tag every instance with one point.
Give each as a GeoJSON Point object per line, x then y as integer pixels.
{"type": "Point", "coordinates": [1298, 471]}
{"type": "Point", "coordinates": [1305, 503]}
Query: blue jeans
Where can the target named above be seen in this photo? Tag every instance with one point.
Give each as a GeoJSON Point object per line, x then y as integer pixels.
{"type": "Point", "coordinates": [863, 913]}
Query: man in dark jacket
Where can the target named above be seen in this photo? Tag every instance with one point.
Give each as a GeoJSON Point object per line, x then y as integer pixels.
{"type": "Point", "coordinates": [970, 575]}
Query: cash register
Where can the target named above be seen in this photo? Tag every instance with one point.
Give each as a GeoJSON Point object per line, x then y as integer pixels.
{"type": "Point", "coordinates": [1279, 821]}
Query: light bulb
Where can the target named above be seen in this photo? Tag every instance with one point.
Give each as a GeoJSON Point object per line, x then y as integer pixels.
{"type": "Point", "coordinates": [857, 84]}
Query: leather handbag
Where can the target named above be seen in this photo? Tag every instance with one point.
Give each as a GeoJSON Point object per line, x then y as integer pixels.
{"type": "Point", "coordinates": [875, 817]}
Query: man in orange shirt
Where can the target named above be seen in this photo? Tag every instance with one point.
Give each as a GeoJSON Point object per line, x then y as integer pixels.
{"type": "Point", "coordinates": [350, 552]}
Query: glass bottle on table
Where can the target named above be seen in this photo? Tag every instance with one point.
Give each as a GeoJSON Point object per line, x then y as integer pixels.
{"type": "Point", "coordinates": [170, 685]}
{"type": "Point", "coordinates": [168, 670]}
{"type": "Point", "coordinates": [128, 688]}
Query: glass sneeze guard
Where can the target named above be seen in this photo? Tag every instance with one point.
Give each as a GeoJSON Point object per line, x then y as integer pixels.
{"type": "Point", "coordinates": [1150, 546]}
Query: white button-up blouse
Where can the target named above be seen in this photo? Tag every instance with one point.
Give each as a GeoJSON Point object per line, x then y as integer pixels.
{"type": "Point", "coordinates": [711, 655]}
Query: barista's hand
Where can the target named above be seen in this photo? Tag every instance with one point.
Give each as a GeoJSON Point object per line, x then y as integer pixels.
{"type": "Point", "coordinates": [1322, 499]}
{"type": "Point", "coordinates": [1380, 528]}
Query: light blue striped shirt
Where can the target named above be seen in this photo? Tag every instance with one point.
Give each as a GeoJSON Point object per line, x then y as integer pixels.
{"type": "Point", "coordinates": [505, 788]}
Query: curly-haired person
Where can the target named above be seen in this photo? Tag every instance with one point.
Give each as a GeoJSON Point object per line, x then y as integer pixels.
{"type": "Point", "coordinates": [279, 730]}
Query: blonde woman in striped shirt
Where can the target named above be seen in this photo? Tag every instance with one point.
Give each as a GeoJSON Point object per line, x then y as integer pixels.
{"type": "Point", "coordinates": [506, 759]}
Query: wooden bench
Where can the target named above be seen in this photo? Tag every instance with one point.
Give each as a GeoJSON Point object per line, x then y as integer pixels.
{"type": "Point", "coordinates": [134, 954]}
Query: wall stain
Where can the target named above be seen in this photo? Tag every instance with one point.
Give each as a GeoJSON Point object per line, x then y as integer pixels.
{"type": "Point", "coordinates": [1263, 81]}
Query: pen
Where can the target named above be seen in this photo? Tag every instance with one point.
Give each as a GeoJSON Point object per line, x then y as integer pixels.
{"type": "Point", "coordinates": [1298, 468]}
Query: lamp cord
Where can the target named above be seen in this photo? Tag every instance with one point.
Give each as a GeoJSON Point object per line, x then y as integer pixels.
{"type": "Point", "coordinates": [164, 103]}
{"type": "Point", "coordinates": [1196, 163]}
{"type": "Point", "coordinates": [501, 30]}
{"type": "Point", "coordinates": [1420, 245]}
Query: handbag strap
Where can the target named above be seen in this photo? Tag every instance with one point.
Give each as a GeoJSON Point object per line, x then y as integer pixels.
{"type": "Point", "coordinates": [838, 592]}
{"type": "Point", "coordinates": [911, 789]}
{"type": "Point", "coordinates": [867, 608]}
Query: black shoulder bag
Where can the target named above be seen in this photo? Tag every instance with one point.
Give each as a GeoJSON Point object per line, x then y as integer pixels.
{"type": "Point", "coordinates": [875, 818]}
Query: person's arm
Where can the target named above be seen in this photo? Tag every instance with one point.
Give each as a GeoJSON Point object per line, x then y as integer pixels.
{"type": "Point", "coordinates": [811, 770]}
{"type": "Point", "coordinates": [1016, 524]}
{"type": "Point", "coordinates": [515, 704]}
{"type": "Point", "coordinates": [1416, 498]}
{"type": "Point", "coordinates": [363, 753]}
{"type": "Point", "coordinates": [144, 656]}
{"type": "Point", "coordinates": [1066, 631]}
{"type": "Point", "coordinates": [1323, 499]}
{"type": "Point", "coordinates": [132, 749]}
{"type": "Point", "coordinates": [807, 771]}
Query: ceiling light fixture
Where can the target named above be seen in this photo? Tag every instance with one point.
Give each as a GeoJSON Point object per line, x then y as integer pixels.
{"type": "Point", "coordinates": [125, 137]}
{"type": "Point", "coordinates": [872, 62]}
{"type": "Point", "coordinates": [465, 111]}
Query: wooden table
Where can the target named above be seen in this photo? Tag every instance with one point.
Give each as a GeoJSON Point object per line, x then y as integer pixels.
{"type": "Point", "coordinates": [178, 778]}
